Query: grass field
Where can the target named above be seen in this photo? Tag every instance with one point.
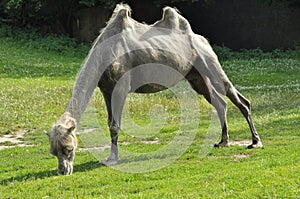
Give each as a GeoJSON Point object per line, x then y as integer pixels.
{"type": "Point", "coordinates": [36, 79]}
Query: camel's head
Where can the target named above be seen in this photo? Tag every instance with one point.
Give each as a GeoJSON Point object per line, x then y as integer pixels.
{"type": "Point", "coordinates": [63, 143]}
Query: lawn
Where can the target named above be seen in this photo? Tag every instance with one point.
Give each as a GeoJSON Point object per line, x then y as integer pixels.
{"type": "Point", "coordinates": [37, 74]}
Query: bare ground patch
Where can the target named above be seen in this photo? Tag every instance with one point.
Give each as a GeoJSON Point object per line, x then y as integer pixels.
{"type": "Point", "coordinates": [240, 143]}
{"type": "Point", "coordinates": [13, 140]}
{"type": "Point", "coordinates": [241, 155]}
{"type": "Point", "coordinates": [107, 146]}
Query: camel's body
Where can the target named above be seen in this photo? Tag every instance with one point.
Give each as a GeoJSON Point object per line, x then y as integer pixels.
{"type": "Point", "coordinates": [131, 57]}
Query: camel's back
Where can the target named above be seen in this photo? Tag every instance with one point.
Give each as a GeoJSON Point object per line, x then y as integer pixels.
{"type": "Point", "coordinates": [125, 44]}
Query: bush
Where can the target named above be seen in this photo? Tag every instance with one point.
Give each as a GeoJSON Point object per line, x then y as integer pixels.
{"type": "Point", "coordinates": [31, 38]}
{"type": "Point", "coordinates": [225, 53]}
{"type": "Point", "coordinates": [21, 12]}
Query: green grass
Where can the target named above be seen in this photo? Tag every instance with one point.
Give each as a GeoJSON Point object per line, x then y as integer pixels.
{"type": "Point", "coordinates": [35, 86]}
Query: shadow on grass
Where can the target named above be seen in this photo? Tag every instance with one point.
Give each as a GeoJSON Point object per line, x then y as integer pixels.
{"type": "Point", "coordinates": [49, 173]}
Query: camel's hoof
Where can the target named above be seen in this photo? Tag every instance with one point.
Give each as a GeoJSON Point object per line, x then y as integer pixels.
{"type": "Point", "coordinates": [221, 144]}
{"type": "Point", "coordinates": [256, 144]}
{"type": "Point", "coordinates": [109, 162]}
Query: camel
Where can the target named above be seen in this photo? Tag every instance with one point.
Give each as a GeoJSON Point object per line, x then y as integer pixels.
{"type": "Point", "coordinates": [129, 56]}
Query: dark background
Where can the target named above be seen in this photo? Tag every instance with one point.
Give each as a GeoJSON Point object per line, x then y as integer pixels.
{"type": "Point", "coordinates": [237, 24]}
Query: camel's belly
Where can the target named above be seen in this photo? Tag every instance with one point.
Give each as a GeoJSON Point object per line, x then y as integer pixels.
{"type": "Point", "coordinates": [150, 88]}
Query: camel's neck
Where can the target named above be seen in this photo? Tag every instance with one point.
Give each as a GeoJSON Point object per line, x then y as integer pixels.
{"type": "Point", "coordinates": [85, 85]}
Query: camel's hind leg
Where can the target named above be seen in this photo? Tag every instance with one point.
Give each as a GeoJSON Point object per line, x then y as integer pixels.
{"type": "Point", "coordinates": [203, 86]}
{"type": "Point", "coordinates": [244, 105]}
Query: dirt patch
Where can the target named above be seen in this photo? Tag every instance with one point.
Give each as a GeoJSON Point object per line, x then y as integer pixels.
{"type": "Point", "coordinates": [240, 143]}
{"type": "Point", "coordinates": [156, 141]}
{"type": "Point", "coordinates": [241, 156]}
{"type": "Point", "coordinates": [107, 146]}
{"type": "Point", "coordinates": [100, 148]}
{"type": "Point", "coordinates": [13, 140]}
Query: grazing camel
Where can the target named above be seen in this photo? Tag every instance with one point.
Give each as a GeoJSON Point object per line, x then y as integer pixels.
{"type": "Point", "coordinates": [129, 56]}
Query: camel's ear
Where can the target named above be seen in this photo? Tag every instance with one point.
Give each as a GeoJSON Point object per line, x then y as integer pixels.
{"type": "Point", "coordinates": [67, 127]}
{"type": "Point", "coordinates": [70, 125]}
{"type": "Point", "coordinates": [66, 124]}
{"type": "Point", "coordinates": [71, 129]}
{"type": "Point", "coordinates": [63, 129]}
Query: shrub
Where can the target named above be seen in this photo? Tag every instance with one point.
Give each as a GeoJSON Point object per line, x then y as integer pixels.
{"type": "Point", "coordinates": [31, 38]}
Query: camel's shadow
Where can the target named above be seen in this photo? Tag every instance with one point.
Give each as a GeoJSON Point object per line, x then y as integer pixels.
{"type": "Point", "coordinates": [49, 173]}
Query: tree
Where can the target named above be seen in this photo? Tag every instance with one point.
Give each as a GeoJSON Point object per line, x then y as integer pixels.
{"type": "Point", "coordinates": [57, 14]}
{"type": "Point", "coordinates": [21, 12]}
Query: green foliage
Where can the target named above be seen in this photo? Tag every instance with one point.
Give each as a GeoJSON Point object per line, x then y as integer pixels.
{"type": "Point", "coordinates": [37, 13]}
{"type": "Point", "coordinates": [21, 12]}
{"type": "Point", "coordinates": [88, 3]}
{"type": "Point", "coordinates": [31, 38]}
{"type": "Point", "coordinates": [225, 53]}
{"type": "Point", "coordinates": [32, 12]}
{"type": "Point", "coordinates": [110, 4]}
{"type": "Point", "coordinates": [283, 3]}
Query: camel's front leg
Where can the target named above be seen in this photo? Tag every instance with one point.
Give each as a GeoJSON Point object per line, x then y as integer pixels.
{"type": "Point", "coordinates": [220, 104]}
{"type": "Point", "coordinates": [115, 101]}
{"type": "Point", "coordinates": [203, 86]}
{"type": "Point", "coordinates": [114, 110]}
{"type": "Point", "coordinates": [114, 134]}
{"type": "Point", "coordinates": [225, 137]}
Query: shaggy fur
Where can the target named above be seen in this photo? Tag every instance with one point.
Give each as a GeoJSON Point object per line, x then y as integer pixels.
{"type": "Point", "coordinates": [63, 143]}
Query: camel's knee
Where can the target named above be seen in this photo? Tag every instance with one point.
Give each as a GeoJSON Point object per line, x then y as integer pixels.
{"type": "Point", "coordinates": [114, 130]}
